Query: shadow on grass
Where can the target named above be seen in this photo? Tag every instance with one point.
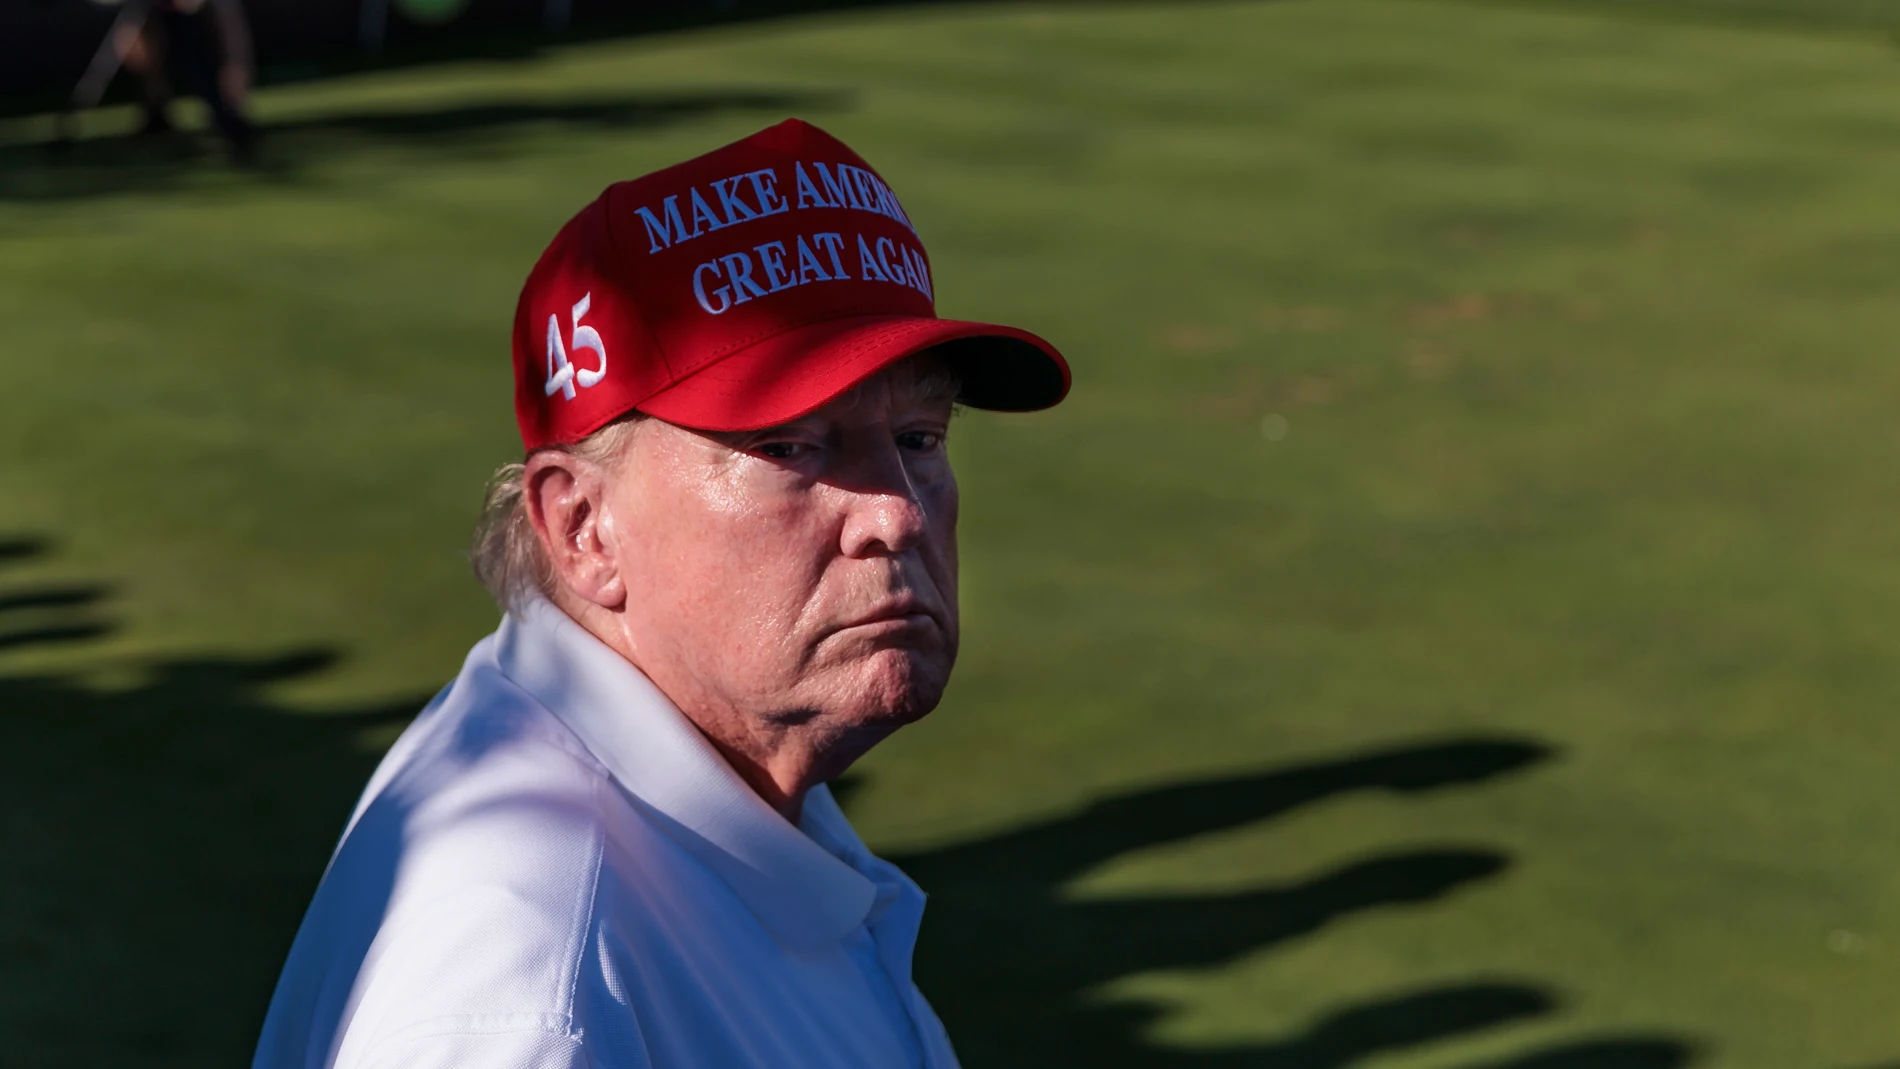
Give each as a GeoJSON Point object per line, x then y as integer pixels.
{"type": "Point", "coordinates": [32, 170]}
{"type": "Point", "coordinates": [311, 40]}
{"type": "Point", "coordinates": [160, 841]}
{"type": "Point", "coordinates": [1015, 965]}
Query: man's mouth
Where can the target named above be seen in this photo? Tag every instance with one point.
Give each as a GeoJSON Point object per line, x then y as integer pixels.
{"type": "Point", "coordinates": [896, 616]}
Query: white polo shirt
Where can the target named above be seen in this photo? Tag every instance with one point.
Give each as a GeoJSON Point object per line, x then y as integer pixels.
{"type": "Point", "coordinates": [553, 868]}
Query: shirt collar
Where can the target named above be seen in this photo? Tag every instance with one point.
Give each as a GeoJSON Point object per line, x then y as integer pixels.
{"type": "Point", "coordinates": [799, 890]}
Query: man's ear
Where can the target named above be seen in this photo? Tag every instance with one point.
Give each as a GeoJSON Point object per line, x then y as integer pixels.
{"type": "Point", "coordinates": [566, 499]}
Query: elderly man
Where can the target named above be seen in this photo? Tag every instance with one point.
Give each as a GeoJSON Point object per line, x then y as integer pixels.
{"type": "Point", "coordinates": [729, 568]}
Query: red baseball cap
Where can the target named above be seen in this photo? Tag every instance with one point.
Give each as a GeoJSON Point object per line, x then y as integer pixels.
{"type": "Point", "coordinates": [742, 289]}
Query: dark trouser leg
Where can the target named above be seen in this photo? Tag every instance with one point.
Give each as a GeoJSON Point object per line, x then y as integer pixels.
{"type": "Point", "coordinates": [147, 60]}
{"type": "Point", "coordinates": [191, 40]}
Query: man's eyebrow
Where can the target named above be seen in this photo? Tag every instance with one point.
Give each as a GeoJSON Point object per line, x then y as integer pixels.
{"type": "Point", "coordinates": [739, 438]}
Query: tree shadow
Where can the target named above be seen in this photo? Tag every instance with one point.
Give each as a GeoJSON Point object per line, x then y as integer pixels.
{"type": "Point", "coordinates": [98, 166]}
{"type": "Point", "coordinates": [45, 46]}
{"type": "Point", "coordinates": [161, 840]}
{"type": "Point", "coordinates": [1015, 965]}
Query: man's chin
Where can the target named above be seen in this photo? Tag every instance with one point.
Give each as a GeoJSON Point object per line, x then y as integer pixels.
{"type": "Point", "coordinates": [902, 685]}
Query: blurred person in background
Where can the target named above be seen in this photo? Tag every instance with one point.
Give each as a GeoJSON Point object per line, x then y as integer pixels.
{"type": "Point", "coordinates": [210, 42]}
{"type": "Point", "coordinates": [728, 566]}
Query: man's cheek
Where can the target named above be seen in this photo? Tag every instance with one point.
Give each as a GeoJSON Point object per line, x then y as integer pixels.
{"type": "Point", "coordinates": [943, 513]}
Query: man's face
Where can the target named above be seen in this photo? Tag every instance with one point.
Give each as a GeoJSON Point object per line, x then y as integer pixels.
{"type": "Point", "coordinates": [801, 575]}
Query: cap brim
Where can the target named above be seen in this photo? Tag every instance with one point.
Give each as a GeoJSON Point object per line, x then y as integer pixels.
{"type": "Point", "coordinates": [795, 373]}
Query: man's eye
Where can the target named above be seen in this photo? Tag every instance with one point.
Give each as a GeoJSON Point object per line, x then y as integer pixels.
{"type": "Point", "coordinates": [781, 450]}
{"type": "Point", "coordinates": [920, 441]}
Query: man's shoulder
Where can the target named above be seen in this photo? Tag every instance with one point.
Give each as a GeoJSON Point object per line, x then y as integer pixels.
{"type": "Point", "coordinates": [492, 796]}
{"type": "Point", "coordinates": [463, 890]}
{"type": "Point", "coordinates": [477, 729]}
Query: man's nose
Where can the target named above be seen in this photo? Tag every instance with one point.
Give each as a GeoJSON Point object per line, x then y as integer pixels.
{"type": "Point", "coordinates": [883, 523]}
{"type": "Point", "coordinates": [885, 512]}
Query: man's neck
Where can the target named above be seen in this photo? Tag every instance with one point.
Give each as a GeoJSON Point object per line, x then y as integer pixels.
{"type": "Point", "coordinates": [787, 794]}
{"type": "Point", "coordinates": [774, 757]}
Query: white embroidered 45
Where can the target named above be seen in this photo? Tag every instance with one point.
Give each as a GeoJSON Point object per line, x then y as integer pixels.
{"type": "Point", "coordinates": [562, 376]}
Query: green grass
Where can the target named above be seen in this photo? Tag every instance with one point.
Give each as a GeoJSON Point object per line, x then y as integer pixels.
{"type": "Point", "coordinates": [1827, 15]}
{"type": "Point", "coordinates": [1579, 328]}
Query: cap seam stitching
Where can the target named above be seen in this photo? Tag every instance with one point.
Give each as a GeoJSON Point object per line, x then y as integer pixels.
{"type": "Point", "coordinates": [614, 250]}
